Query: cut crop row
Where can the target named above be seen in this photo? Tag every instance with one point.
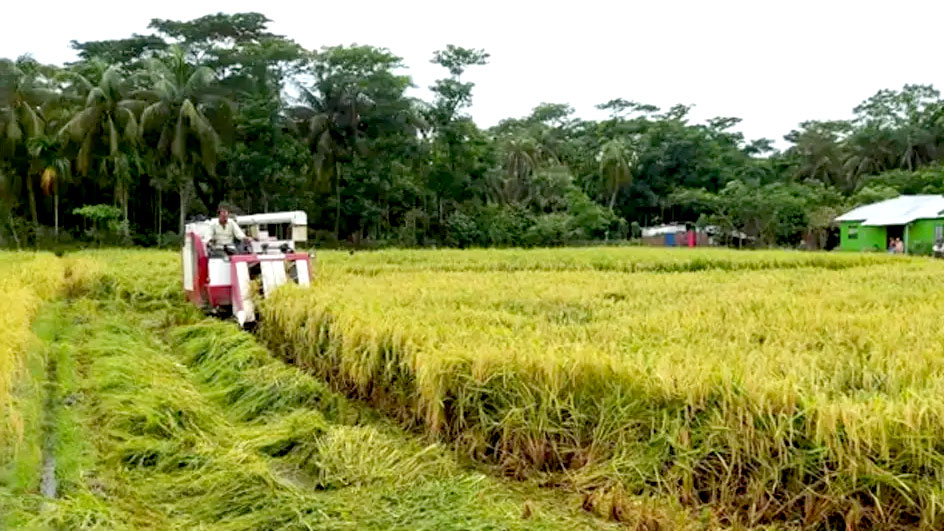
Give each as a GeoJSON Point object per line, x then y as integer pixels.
{"type": "Point", "coordinates": [619, 259]}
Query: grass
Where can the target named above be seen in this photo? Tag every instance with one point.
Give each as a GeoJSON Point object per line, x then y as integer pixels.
{"type": "Point", "coordinates": [797, 388]}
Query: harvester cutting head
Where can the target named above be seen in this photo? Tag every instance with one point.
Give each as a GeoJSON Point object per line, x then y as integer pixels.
{"type": "Point", "coordinates": [222, 279]}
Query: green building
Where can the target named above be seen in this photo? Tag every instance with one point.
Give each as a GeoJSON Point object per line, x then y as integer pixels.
{"type": "Point", "coordinates": [917, 219]}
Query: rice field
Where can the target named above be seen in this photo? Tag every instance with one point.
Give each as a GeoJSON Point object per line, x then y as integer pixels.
{"type": "Point", "coordinates": [26, 280]}
{"type": "Point", "coordinates": [494, 389]}
{"type": "Point", "coordinates": [775, 387]}
{"type": "Point", "coordinates": [145, 415]}
{"type": "Point", "coordinates": [618, 259]}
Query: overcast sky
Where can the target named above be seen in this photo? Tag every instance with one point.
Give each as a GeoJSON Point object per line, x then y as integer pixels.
{"type": "Point", "coordinates": [773, 63]}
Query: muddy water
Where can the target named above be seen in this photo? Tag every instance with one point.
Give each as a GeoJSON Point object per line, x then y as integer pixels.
{"type": "Point", "coordinates": [49, 485]}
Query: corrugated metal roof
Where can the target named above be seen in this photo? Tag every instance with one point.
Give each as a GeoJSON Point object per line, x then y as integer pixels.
{"type": "Point", "coordinates": [898, 211]}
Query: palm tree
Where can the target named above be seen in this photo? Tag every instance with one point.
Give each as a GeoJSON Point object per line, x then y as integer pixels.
{"type": "Point", "coordinates": [106, 128]}
{"type": "Point", "coordinates": [53, 166]}
{"type": "Point", "coordinates": [523, 155]}
{"type": "Point", "coordinates": [329, 123]}
{"type": "Point", "coordinates": [617, 161]}
{"type": "Point", "coordinates": [175, 124]}
{"type": "Point", "coordinates": [818, 151]}
{"type": "Point", "coordinates": [8, 200]}
{"type": "Point", "coordinates": [866, 152]}
{"type": "Point", "coordinates": [22, 92]}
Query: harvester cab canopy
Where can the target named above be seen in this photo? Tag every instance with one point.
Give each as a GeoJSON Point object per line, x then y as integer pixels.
{"type": "Point", "coordinates": [275, 229]}
{"type": "Point", "coordinates": [222, 277]}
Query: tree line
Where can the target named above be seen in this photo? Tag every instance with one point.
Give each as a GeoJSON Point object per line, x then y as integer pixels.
{"type": "Point", "coordinates": [140, 134]}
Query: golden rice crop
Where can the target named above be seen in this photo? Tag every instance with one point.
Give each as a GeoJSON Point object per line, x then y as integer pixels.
{"type": "Point", "coordinates": [148, 278]}
{"type": "Point", "coordinates": [623, 259]}
{"type": "Point", "coordinates": [198, 426]}
{"type": "Point", "coordinates": [26, 279]}
{"type": "Point", "coordinates": [801, 387]}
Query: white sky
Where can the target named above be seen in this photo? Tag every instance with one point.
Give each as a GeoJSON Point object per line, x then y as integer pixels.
{"type": "Point", "coordinates": [772, 63]}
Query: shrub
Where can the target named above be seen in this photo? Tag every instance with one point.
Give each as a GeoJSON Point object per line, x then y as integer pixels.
{"type": "Point", "coordinates": [549, 230]}
{"type": "Point", "coordinates": [461, 230]}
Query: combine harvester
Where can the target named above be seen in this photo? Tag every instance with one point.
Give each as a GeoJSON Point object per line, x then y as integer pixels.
{"type": "Point", "coordinates": [220, 279]}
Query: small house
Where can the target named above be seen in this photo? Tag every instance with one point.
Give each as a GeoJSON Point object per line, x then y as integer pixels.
{"type": "Point", "coordinates": [664, 235]}
{"type": "Point", "coordinates": [917, 219]}
{"type": "Point", "coordinates": [676, 235]}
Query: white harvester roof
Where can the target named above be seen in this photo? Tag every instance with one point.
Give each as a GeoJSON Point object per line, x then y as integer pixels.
{"type": "Point", "coordinates": [897, 211]}
{"type": "Point", "coordinates": [296, 217]}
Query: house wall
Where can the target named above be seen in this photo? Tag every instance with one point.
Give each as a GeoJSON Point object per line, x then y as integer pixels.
{"type": "Point", "coordinates": [865, 238]}
{"type": "Point", "coordinates": [921, 235]}
{"type": "Point", "coordinates": [656, 241]}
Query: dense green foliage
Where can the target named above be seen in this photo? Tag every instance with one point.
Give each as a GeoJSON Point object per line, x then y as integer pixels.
{"type": "Point", "coordinates": [167, 125]}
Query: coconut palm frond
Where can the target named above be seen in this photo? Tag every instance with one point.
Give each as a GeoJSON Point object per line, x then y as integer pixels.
{"type": "Point", "coordinates": [112, 136]}
{"type": "Point", "coordinates": [83, 159]}
{"type": "Point", "coordinates": [153, 116]}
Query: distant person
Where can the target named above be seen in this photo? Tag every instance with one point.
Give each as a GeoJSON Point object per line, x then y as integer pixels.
{"type": "Point", "coordinates": [899, 246]}
{"type": "Point", "coordinates": [891, 246]}
{"type": "Point", "coordinates": [938, 248]}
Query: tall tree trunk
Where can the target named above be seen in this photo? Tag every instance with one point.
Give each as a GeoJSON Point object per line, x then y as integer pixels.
{"type": "Point", "coordinates": [613, 198]}
{"type": "Point", "coordinates": [32, 202]}
{"type": "Point", "coordinates": [160, 218]}
{"type": "Point", "coordinates": [337, 198]}
{"type": "Point", "coordinates": [16, 238]}
{"type": "Point", "coordinates": [124, 206]}
{"type": "Point", "coordinates": [55, 209]}
{"type": "Point", "coordinates": [184, 201]}
{"type": "Point", "coordinates": [121, 197]}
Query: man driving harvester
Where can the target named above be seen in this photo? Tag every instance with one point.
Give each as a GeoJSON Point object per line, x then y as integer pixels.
{"type": "Point", "coordinates": [224, 231]}
{"type": "Point", "coordinates": [224, 270]}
